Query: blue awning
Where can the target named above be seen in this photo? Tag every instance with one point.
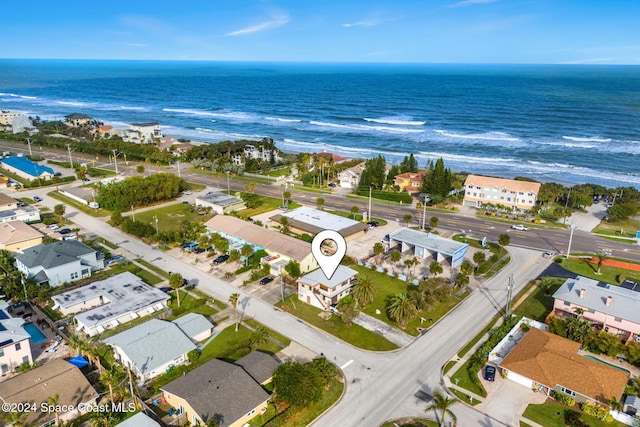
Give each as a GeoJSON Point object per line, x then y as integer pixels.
{"type": "Point", "coordinates": [79, 361]}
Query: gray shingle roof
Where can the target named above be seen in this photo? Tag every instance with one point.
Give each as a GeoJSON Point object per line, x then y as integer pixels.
{"type": "Point", "coordinates": [193, 324]}
{"type": "Point", "coordinates": [139, 420]}
{"type": "Point", "coordinates": [152, 344]}
{"type": "Point", "coordinates": [51, 255]}
{"type": "Point", "coordinates": [259, 365]}
{"type": "Point", "coordinates": [625, 303]}
{"type": "Point", "coordinates": [317, 276]}
{"type": "Point", "coordinates": [220, 389]}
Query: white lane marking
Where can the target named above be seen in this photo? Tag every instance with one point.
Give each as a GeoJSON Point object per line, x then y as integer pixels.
{"type": "Point", "coordinates": [346, 364]}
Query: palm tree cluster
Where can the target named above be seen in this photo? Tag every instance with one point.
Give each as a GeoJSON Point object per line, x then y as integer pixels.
{"type": "Point", "coordinates": [403, 307]}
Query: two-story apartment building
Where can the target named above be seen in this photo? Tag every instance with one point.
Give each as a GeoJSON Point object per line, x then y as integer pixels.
{"type": "Point", "coordinates": [409, 181]}
{"type": "Point", "coordinates": [143, 133]}
{"type": "Point", "coordinates": [315, 289]}
{"type": "Point", "coordinates": [59, 262]}
{"type": "Point", "coordinates": [15, 348]}
{"type": "Point", "coordinates": [77, 120]}
{"type": "Point", "coordinates": [517, 195]}
{"type": "Point", "coordinates": [611, 308]}
{"type": "Point", "coordinates": [11, 211]}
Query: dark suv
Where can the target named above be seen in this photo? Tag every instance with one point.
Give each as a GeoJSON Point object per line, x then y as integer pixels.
{"type": "Point", "coordinates": [490, 373]}
{"type": "Point", "coordinates": [220, 259]}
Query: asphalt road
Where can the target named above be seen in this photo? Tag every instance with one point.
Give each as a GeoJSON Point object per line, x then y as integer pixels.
{"type": "Point", "coordinates": [379, 385]}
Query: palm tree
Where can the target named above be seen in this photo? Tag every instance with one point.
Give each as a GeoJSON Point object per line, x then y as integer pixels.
{"type": "Point", "coordinates": [601, 256]}
{"type": "Point", "coordinates": [479, 258]}
{"type": "Point", "coordinates": [401, 308]}
{"type": "Point", "coordinates": [354, 211]}
{"type": "Point", "coordinates": [435, 268]}
{"type": "Point", "coordinates": [176, 281]}
{"type": "Point", "coordinates": [284, 221]}
{"type": "Point", "coordinates": [407, 219]}
{"type": "Point", "coordinates": [246, 251]}
{"type": "Point", "coordinates": [17, 419]}
{"type": "Point", "coordinates": [442, 403]}
{"type": "Point", "coordinates": [363, 290]}
{"type": "Point", "coordinates": [259, 337]}
{"type": "Point", "coordinates": [286, 195]}
{"type": "Point", "coordinates": [320, 202]}
{"type": "Point", "coordinates": [395, 256]}
{"type": "Point", "coordinates": [466, 268]}
{"type": "Point", "coordinates": [52, 401]}
{"type": "Point", "coordinates": [234, 299]}
{"type": "Point", "coordinates": [114, 378]}
{"type": "Point", "coordinates": [378, 249]}
{"type": "Point", "coordinates": [433, 222]}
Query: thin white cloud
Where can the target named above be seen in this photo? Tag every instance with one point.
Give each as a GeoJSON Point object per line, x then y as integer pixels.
{"type": "Point", "coordinates": [588, 61]}
{"type": "Point", "coordinates": [275, 22]}
{"type": "Point", "coordinates": [136, 44]}
{"type": "Point", "coordinates": [465, 3]}
{"type": "Point", "coordinates": [370, 21]}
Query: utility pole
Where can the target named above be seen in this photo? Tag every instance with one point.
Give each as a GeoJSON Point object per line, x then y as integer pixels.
{"type": "Point", "coordinates": [30, 152]}
{"type": "Point", "coordinates": [228, 187]}
{"type": "Point", "coordinates": [115, 160]}
{"type": "Point", "coordinates": [424, 211]}
{"type": "Point", "coordinates": [573, 227]}
{"type": "Point", "coordinates": [281, 286]}
{"type": "Point", "coordinates": [133, 214]}
{"type": "Point", "coordinates": [564, 219]}
{"type": "Point", "coordinates": [156, 218]}
{"type": "Point", "coordinates": [179, 176]}
{"type": "Point", "coordinates": [370, 216]}
{"type": "Point", "coordinates": [70, 159]}
{"type": "Point", "coordinates": [509, 296]}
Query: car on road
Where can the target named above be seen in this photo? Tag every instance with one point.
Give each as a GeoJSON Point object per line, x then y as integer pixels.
{"type": "Point", "coordinates": [37, 198]}
{"type": "Point", "coordinates": [187, 192]}
{"type": "Point", "coordinates": [266, 280]}
{"type": "Point", "coordinates": [519, 227]}
{"type": "Point", "coordinates": [220, 259]}
{"type": "Point", "coordinates": [548, 254]}
{"type": "Point", "coordinates": [490, 373]}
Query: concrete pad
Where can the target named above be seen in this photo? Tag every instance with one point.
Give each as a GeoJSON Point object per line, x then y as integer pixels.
{"type": "Point", "coordinates": [587, 221]}
{"type": "Point", "coordinates": [507, 400]}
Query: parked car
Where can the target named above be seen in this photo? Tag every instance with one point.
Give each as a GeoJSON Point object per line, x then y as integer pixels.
{"type": "Point", "coordinates": [386, 239]}
{"type": "Point", "coordinates": [332, 184]}
{"type": "Point", "coordinates": [71, 236]}
{"type": "Point", "coordinates": [373, 224]}
{"type": "Point", "coordinates": [198, 250]}
{"type": "Point", "coordinates": [519, 227]}
{"type": "Point", "coordinates": [183, 245]}
{"type": "Point", "coordinates": [220, 259]}
{"type": "Point", "coordinates": [266, 280]}
{"type": "Point", "coordinates": [37, 198]}
{"type": "Point", "coordinates": [334, 308]}
{"type": "Point", "coordinates": [64, 231]}
{"type": "Point", "coordinates": [54, 226]}
{"type": "Point", "coordinates": [490, 373]}
{"type": "Point", "coordinates": [114, 259]}
{"type": "Point", "coordinates": [165, 289]}
{"type": "Point", "coordinates": [187, 192]}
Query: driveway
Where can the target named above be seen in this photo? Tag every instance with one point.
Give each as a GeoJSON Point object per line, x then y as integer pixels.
{"type": "Point", "coordinates": [507, 400]}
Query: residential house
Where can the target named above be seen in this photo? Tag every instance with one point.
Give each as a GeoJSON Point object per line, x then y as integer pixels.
{"type": "Point", "coordinates": [139, 420]}
{"type": "Point", "coordinates": [424, 245]}
{"type": "Point", "coordinates": [77, 120]}
{"type": "Point", "coordinates": [332, 157]}
{"type": "Point", "coordinates": [544, 362]}
{"type": "Point", "coordinates": [220, 203]}
{"type": "Point", "coordinates": [517, 195]}
{"type": "Point", "coordinates": [23, 124]}
{"type": "Point", "coordinates": [104, 131]}
{"type": "Point", "coordinates": [260, 366]}
{"type": "Point", "coordinates": [195, 326]}
{"type": "Point", "coordinates": [11, 210]}
{"type": "Point", "coordinates": [15, 348]}
{"type": "Point", "coordinates": [312, 221]}
{"type": "Point", "coordinates": [614, 309]}
{"type": "Point", "coordinates": [143, 133]}
{"type": "Point", "coordinates": [350, 178]}
{"type": "Point", "coordinates": [59, 262]}
{"type": "Point", "coordinates": [280, 247]}
{"type": "Point", "coordinates": [217, 390]}
{"type": "Point", "coordinates": [7, 117]}
{"type": "Point", "coordinates": [56, 378]}
{"type": "Point", "coordinates": [153, 347]}
{"type": "Point", "coordinates": [26, 169]}
{"type": "Point", "coordinates": [409, 181]}
{"type": "Point", "coordinates": [15, 236]}
{"type": "Point", "coordinates": [315, 289]}
{"type": "Point", "coordinates": [111, 302]}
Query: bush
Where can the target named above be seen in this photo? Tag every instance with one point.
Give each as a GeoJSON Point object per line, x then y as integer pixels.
{"type": "Point", "coordinates": [594, 411]}
{"type": "Point", "coordinates": [563, 398]}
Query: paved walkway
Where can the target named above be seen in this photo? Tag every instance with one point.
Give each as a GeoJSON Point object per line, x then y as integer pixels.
{"type": "Point", "coordinates": [392, 334]}
{"type": "Point", "coordinates": [587, 221]}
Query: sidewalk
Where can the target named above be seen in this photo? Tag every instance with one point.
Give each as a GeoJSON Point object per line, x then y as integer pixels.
{"type": "Point", "coordinates": [396, 336]}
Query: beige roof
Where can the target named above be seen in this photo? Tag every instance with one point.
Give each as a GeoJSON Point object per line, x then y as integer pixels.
{"type": "Point", "coordinates": [551, 360]}
{"type": "Point", "coordinates": [17, 231]}
{"type": "Point", "coordinates": [260, 236]}
{"type": "Point", "coordinates": [37, 385]}
{"type": "Point", "coordinates": [5, 200]}
{"type": "Point", "coordinates": [502, 183]}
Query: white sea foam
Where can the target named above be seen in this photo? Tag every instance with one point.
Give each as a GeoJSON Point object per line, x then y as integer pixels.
{"type": "Point", "coordinates": [590, 139]}
{"type": "Point", "coordinates": [396, 121]}
{"type": "Point", "coordinates": [488, 136]}
{"type": "Point", "coordinates": [124, 107]}
{"type": "Point", "coordinates": [568, 144]}
{"type": "Point", "coordinates": [188, 111]}
{"type": "Point", "coordinates": [364, 128]}
{"type": "Point", "coordinates": [467, 159]}
{"type": "Point", "coordinates": [14, 95]}
{"type": "Point", "coordinates": [74, 104]}
{"type": "Point", "coordinates": [205, 130]}
{"type": "Point", "coordinates": [278, 119]}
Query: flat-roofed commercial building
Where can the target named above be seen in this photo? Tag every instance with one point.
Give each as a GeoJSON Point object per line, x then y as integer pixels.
{"type": "Point", "coordinates": [312, 221]}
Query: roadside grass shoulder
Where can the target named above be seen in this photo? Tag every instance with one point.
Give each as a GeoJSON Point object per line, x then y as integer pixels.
{"type": "Point", "coordinates": [607, 274]}
{"type": "Point", "coordinates": [81, 207]}
{"type": "Point", "coordinates": [551, 414]}
{"type": "Point", "coordinates": [462, 378]}
{"type": "Point", "coordinates": [540, 302]}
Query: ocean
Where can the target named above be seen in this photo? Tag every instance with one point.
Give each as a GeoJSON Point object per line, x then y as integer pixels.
{"type": "Point", "coordinates": [565, 123]}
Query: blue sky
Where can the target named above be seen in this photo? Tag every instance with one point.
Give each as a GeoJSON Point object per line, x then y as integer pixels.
{"type": "Point", "coordinates": [434, 31]}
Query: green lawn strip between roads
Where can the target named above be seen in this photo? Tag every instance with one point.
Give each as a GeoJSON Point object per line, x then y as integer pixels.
{"type": "Point", "coordinates": [355, 335]}
{"type": "Point", "coordinates": [465, 397]}
{"type": "Point", "coordinates": [387, 286]}
{"type": "Point", "coordinates": [80, 206]}
{"type": "Point", "coordinates": [552, 415]}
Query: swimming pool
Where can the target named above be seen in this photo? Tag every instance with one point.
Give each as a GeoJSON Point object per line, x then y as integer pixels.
{"type": "Point", "coordinates": [36, 335]}
{"type": "Point", "coordinates": [606, 363]}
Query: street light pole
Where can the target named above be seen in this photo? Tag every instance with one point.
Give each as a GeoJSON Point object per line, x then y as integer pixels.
{"type": "Point", "coordinates": [228, 186]}
{"type": "Point", "coordinates": [29, 143]}
{"type": "Point", "coordinates": [424, 211]}
{"type": "Point", "coordinates": [509, 295]}
{"type": "Point", "coordinates": [573, 227]}
{"type": "Point", "coordinates": [115, 159]}
{"type": "Point", "coordinates": [370, 216]}
{"type": "Point", "coordinates": [156, 218]}
{"type": "Point", "coordinates": [70, 159]}
{"type": "Point", "coordinates": [564, 219]}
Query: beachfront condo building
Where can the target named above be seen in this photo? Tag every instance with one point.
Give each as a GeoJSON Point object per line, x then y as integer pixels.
{"type": "Point", "coordinates": [517, 195]}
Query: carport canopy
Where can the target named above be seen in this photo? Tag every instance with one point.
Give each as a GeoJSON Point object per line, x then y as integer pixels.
{"type": "Point", "coordinates": [432, 243]}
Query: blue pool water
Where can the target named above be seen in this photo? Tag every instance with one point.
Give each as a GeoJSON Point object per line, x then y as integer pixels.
{"type": "Point", "coordinates": [602, 361]}
{"type": "Point", "coordinates": [36, 336]}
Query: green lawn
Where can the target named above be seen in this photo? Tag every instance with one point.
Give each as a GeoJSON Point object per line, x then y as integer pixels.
{"type": "Point", "coordinates": [624, 228]}
{"type": "Point", "coordinates": [263, 204]}
{"type": "Point", "coordinates": [170, 217]}
{"type": "Point", "coordinates": [196, 187]}
{"type": "Point", "coordinates": [540, 302]}
{"type": "Point", "coordinates": [355, 335]}
{"type": "Point", "coordinates": [466, 382]}
{"type": "Point", "coordinates": [254, 324]}
{"type": "Point", "coordinates": [279, 172]}
{"type": "Point", "coordinates": [80, 206]}
{"type": "Point", "coordinates": [552, 415]}
{"type": "Point", "coordinates": [386, 286]}
{"type": "Point", "coordinates": [450, 364]}
{"type": "Point", "coordinates": [607, 274]}
{"type": "Point", "coordinates": [189, 304]}
{"type": "Point", "coordinates": [160, 272]}
{"type": "Point", "coordinates": [465, 397]}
